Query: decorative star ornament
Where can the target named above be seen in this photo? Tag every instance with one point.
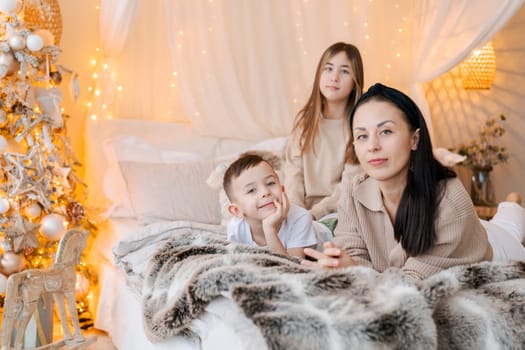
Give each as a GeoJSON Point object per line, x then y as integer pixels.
{"type": "Point", "coordinates": [23, 233]}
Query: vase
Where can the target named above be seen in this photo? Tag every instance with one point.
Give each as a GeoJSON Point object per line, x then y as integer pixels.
{"type": "Point", "coordinates": [482, 187]}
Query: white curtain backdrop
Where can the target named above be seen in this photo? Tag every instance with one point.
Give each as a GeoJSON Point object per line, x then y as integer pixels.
{"type": "Point", "coordinates": [115, 23]}
{"type": "Point", "coordinates": [116, 19]}
{"type": "Point", "coordinates": [242, 69]}
{"type": "Point", "coordinates": [445, 32]}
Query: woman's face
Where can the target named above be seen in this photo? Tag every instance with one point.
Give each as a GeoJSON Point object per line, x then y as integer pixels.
{"type": "Point", "coordinates": [337, 80]}
{"type": "Point", "coordinates": [383, 141]}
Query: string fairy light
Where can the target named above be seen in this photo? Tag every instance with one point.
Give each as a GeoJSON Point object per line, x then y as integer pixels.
{"type": "Point", "coordinates": [104, 89]}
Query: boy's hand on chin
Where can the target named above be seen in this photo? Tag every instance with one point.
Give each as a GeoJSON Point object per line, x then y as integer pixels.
{"type": "Point", "coordinates": [275, 220]}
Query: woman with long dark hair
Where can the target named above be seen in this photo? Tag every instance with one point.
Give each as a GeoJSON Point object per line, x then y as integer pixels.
{"type": "Point", "coordinates": [407, 210]}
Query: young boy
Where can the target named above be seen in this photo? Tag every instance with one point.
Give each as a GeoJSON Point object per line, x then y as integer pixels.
{"type": "Point", "coordinates": [262, 214]}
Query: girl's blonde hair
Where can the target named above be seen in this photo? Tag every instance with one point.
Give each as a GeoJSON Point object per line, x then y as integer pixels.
{"type": "Point", "coordinates": [307, 119]}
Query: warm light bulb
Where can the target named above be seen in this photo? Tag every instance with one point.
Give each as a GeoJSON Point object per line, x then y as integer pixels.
{"type": "Point", "coordinates": [93, 117]}
{"type": "Point", "coordinates": [119, 88]}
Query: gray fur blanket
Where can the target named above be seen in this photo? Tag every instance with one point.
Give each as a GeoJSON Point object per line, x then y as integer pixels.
{"type": "Point", "coordinates": [480, 306]}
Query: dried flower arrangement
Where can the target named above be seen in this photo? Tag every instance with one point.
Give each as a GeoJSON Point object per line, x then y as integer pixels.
{"type": "Point", "coordinates": [483, 152]}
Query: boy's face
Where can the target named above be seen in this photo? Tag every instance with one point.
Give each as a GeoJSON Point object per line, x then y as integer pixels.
{"type": "Point", "coordinates": [254, 192]}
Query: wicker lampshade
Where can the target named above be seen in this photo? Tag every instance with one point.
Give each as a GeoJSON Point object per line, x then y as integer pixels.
{"type": "Point", "coordinates": [478, 71]}
{"type": "Point", "coordinates": [44, 14]}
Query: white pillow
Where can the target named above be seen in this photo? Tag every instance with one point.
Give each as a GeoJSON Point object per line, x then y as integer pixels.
{"type": "Point", "coordinates": [448, 158]}
{"type": "Point", "coordinates": [172, 191]}
{"type": "Point", "coordinates": [131, 148]}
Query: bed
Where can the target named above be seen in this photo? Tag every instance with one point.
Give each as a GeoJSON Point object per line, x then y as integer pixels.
{"type": "Point", "coordinates": [144, 148]}
{"type": "Point", "coordinates": [168, 278]}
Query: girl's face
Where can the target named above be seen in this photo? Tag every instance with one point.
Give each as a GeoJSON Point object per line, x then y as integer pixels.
{"type": "Point", "coordinates": [337, 79]}
{"type": "Point", "coordinates": [383, 141]}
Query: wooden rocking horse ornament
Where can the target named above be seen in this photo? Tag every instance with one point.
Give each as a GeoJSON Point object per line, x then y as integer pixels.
{"type": "Point", "coordinates": [26, 287]}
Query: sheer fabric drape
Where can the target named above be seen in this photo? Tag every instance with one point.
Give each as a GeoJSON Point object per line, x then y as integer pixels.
{"type": "Point", "coordinates": [238, 68]}
{"type": "Point", "coordinates": [446, 31]}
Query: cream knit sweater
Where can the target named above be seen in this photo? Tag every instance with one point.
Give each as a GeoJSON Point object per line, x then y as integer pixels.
{"type": "Point", "coordinates": [367, 234]}
{"type": "Point", "coordinates": [312, 179]}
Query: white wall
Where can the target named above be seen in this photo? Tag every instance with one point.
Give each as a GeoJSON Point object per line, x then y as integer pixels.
{"type": "Point", "coordinates": [78, 43]}
{"type": "Point", "coordinates": [458, 114]}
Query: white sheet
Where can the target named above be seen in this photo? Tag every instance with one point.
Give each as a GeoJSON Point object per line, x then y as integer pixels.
{"type": "Point", "coordinates": [119, 313]}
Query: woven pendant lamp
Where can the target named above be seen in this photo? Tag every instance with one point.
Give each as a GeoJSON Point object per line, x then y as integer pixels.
{"type": "Point", "coordinates": [478, 71]}
{"type": "Point", "coordinates": [44, 14]}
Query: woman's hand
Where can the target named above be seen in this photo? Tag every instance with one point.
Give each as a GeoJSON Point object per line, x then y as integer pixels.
{"type": "Point", "coordinates": [332, 257]}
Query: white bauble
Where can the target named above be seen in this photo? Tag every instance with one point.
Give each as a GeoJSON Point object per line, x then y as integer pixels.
{"type": "Point", "coordinates": [46, 35]}
{"type": "Point", "coordinates": [17, 42]}
{"type": "Point", "coordinates": [8, 6]}
{"type": "Point", "coordinates": [33, 211]}
{"type": "Point", "coordinates": [34, 42]}
{"type": "Point", "coordinates": [4, 205]}
{"type": "Point", "coordinates": [3, 283]}
{"type": "Point", "coordinates": [3, 144]}
{"type": "Point", "coordinates": [53, 226]}
{"type": "Point", "coordinates": [11, 263]}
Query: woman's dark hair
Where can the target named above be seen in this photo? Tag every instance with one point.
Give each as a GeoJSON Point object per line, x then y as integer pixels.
{"type": "Point", "coordinates": [414, 226]}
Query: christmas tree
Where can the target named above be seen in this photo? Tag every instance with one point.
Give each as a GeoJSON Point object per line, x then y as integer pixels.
{"type": "Point", "coordinates": [39, 188]}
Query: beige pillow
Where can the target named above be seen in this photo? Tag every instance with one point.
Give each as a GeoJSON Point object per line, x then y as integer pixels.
{"type": "Point", "coordinates": [175, 191]}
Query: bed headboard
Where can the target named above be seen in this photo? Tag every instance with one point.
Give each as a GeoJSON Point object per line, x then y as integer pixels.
{"type": "Point", "coordinates": [164, 135]}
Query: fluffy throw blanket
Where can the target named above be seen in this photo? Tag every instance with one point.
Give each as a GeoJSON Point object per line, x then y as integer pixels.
{"type": "Point", "coordinates": [481, 306]}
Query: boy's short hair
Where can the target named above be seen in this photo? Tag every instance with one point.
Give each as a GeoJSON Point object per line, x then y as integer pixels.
{"type": "Point", "coordinates": [245, 161]}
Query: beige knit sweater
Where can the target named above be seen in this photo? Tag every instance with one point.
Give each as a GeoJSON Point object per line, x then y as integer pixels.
{"type": "Point", "coordinates": [367, 234]}
{"type": "Point", "coordinates": [312, 179]}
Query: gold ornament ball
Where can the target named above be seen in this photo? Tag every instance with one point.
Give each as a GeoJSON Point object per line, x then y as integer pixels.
{"type": "Point", "coordinates": [46, 35]}
{"type": "Point", "coordinates": [56, 77]}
